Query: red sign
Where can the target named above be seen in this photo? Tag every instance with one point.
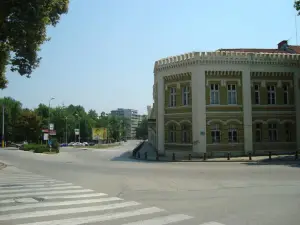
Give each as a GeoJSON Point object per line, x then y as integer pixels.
{"type": "Point", "coordinates": [45, 130]}
{"type": "Point", "coordinates": [53, 132]}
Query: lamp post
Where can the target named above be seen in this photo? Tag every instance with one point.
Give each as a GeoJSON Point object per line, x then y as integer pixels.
{"type": "Point", "coordinates": [79, 127]}
{"type": "Point", "coordinates": [66, 130]}
{"type": "Point", "coordinates": [3, 125]}
{"type": "Point", "coordinates": [49, 117]}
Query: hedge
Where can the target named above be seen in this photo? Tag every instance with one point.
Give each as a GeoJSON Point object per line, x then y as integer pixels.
{"type": "Point", "coordinates": [38, 148]}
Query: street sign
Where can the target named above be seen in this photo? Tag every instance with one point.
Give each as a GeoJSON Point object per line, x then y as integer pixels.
{"type": "Point", "coordinates": [52, 132]}
{"type": "Point", "coordinates": [76, 131]}
{"type": "Point", "coordinates": [46, 137]}
{"type": "Point", "coordinates": [45, 130]}
{"type": "Point", "coordinates": [51, 126]}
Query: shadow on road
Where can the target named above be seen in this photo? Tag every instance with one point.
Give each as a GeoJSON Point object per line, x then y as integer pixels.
{"type": "Point", "coordinates": [284, 161]}
{"type": "Point", "coordinates": [127, 157]}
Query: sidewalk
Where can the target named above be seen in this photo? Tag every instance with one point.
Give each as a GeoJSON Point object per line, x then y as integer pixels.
{"type": "Point", "coordinates": [184, 157]}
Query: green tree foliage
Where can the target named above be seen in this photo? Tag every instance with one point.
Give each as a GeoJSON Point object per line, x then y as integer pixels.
{"type": "Point", "coordinates": [297, 6]}
{"type": "Point", "coordinates": [142, 129]}
{"type": "Point", "coordinates": [24, 124]}
{"type": "Point", "coordinates": [23, 26]}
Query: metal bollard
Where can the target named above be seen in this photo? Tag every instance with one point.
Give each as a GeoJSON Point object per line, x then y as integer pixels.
{"type": "Point", "coordinates": [250, 156]}
{"type": "Point", "coordinates": [173, 156]}
{"type": "Point", "coordinates": [139, 155]}
{"type": "Point", "coordinates": [296, 155]}
{"type": "Point", "coordinates": [146, 155]}
{"type": "Point", "coordinates": [204, 156]}
{"type": "Point", "coordinates": [270, 155]}
{"type": "Point", "coordinates": [190, 156]}
{"type": "Point", "coordinates": [157, 156]}
{"type": "Point", "coordinates": [228, 156]}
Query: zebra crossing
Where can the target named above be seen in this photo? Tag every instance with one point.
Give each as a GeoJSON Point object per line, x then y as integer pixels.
{"type": "Point", "coordinates": [31, 199]}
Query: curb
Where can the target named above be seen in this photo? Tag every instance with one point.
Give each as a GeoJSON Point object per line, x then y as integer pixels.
{"type": "Point", "coordinates": [2, 165]}
{"type": "Point", "coordinates": [214, 161]}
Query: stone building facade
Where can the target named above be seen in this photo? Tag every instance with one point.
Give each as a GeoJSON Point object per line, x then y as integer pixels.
{"type": "Point", "coordinates": [215, 102]}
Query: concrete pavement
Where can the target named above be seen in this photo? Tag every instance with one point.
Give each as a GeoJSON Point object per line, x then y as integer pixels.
{"type": "Point", "coordinates": [226, 193]}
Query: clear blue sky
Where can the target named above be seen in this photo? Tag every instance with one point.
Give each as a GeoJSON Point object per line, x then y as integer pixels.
{"type": "Point", "coordinates": [101, 54]}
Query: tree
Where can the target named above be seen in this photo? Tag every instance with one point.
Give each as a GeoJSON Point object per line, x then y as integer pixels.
{"type": "Point", "coordinates": [297, 6]}
{"type": "Point", "coordinates": [142, 129]}
{"type": "Point", "coordinates": [23, 26]}
{"type": "Point", "coordinates": [28, 126]}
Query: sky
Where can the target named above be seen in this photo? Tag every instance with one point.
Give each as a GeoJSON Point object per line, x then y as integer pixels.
{"type": "Point", "coordinates": [101, 54]}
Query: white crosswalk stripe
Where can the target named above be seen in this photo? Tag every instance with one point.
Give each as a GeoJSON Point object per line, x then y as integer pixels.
{"type": "Point", "coordinates": [30, 199]}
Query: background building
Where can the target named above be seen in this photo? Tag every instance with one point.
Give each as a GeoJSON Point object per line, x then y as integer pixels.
{"type": "Point", "coordinates": [133, 118]}
{"type": "Point", "coordinates": [238, 100]}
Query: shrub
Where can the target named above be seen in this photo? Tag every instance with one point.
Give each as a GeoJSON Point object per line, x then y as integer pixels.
{"type": "Point", "coordinates": [41, 149]}
{"type": "Point", "coordinates": [55, 145]}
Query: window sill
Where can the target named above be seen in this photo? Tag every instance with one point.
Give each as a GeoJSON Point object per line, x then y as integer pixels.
{"type": "Point", "coordinates": [231, 105]}
{"type": "Point", "coordinates": [271, 105]}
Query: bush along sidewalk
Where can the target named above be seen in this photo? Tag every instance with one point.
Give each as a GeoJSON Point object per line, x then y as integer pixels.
{"type": "Point", "coordinates": [38, 148]}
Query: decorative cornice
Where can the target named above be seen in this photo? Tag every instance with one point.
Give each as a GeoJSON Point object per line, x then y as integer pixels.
{"type": "Point", "coordinates": [223, 57]}
{"type": "Point", "coordinates": [278, 82]}
{"type": "Point", "coordinates": [223, 73]}
{"type": "Point", "coordinates": [177, 76]}
{"type": "Point", "coordinates": [272, 74]}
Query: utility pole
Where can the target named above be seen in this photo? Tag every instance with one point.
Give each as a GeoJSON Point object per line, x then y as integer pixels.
{"type": "Point", "coordinates": [66, 130]}
{"type": "Point", "coordinates": [49, 119]}
{"type": "Point", "coordinates": [3, 125]}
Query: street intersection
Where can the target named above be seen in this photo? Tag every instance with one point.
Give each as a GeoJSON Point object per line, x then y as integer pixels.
{"type": "Point", "coordinates": [106, 187]}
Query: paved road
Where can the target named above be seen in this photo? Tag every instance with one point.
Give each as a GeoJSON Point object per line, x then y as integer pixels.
{"type": "Point", "coordinates": [105, 187]}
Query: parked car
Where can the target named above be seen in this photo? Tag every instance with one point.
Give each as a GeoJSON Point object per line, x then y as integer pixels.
{"type": "Point", "coordinates": [63, 144]}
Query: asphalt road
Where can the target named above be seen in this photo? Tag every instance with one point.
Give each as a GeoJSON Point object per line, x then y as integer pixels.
{"type": "Point", "coordinates": [169, 193]}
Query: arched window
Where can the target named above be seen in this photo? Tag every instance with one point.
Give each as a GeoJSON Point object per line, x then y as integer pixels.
{"type": "Point", "coordinates": [232, 134]}
{"type": "Point", "coordinates": [273, 132]}
{"type": "Point", "coordinates": [288, 132]}
{"type": "Point", "coordinates": [172, 133]}
{"type": "Point", "coordinates": [185, 133]}
{"type": "Point", "coordinates": [215, 133]}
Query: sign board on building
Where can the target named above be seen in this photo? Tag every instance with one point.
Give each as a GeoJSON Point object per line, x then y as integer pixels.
{"type": "Point", "coordinates": [52, 132]}
{"type": "Point", "coordinates": [51, 126]}
{"type": "Point", "coordinates": [99, 133]}
{"type": "Point", "coordinates": [202, 132]}
{"type": "Point", "coordinates": [76, 131]}
{"type": "Point", "coordinates": [45, 136]}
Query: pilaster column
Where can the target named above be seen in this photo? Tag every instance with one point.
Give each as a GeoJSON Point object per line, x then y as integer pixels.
{"type": "Point", "coordinates": [199, 110]}
{"type": "Point", "coordinates": [160, 120]}
{"type": "Point", "coordinates": [297, 104]}
{"type": "Point", "coordinates": [247, 107]}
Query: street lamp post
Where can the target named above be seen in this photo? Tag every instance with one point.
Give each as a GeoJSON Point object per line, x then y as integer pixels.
{"type": "Point", "coordinates": [49, 118]}
{"type": "Point", "coordinates": [79, 127]}
{"type": "Point", "coordinates": [3, 125]}
{"type": "Point", "coordinates": [66, 130]}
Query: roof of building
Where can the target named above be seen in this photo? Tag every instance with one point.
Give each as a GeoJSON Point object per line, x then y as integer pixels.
{"type": "Point", "coordinates": [255, 50]}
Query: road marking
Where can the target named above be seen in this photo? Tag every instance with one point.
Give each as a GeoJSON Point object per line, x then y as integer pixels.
{"type": "Point", "coordinates": [162, 220]}
{"type": "Point", "coordinates": [99, 218]}
{"type": "Point", "coordinates": [49, 204]}
{"type": "Point", "coordinates": [7, 201]}
{"type": "Point", "coordinates": [35, 186]}
{"type": "Point", "coordinates": [56, 212]}
{"type": "Point", "coordinates": [38, 189]}
{"type": "Point", "coordinates": [212, 223]}
{"type": "Point", "coordinates": [28, 182]}
{"type": "Point", "coordinates": [45, 193]}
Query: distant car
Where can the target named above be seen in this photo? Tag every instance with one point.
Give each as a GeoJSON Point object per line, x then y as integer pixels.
{"type": "Point", "coordinates": [63, 145]}
{"type": "Point", "coordinates": [85, 144]}
{"type": "Point", "coordinates": [71, 144]}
